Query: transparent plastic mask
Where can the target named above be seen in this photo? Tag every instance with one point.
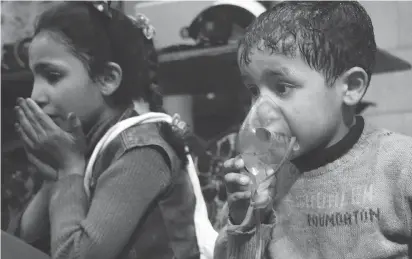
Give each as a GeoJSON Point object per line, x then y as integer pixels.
{"type": "Point", "coordinates": [263, 146]}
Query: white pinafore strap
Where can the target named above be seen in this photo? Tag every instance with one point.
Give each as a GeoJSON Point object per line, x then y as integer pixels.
{"type": "Point", "coordinates": [206, 235]}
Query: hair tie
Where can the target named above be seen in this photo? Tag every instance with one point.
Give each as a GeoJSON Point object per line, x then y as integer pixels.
{"type": "Point", "coordinates": [180, 127]}
{"type": "Point", "coordinates": [143, 23]}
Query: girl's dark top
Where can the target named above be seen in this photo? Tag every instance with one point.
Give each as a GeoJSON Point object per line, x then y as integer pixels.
{"type": "Point", "coordinates": [142, 202]}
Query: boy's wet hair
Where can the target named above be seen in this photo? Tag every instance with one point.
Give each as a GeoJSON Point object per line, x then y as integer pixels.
{"type": "Point", "coordinates": [97, 38]}
{"type": "Point", "coordinates": [331, 37]}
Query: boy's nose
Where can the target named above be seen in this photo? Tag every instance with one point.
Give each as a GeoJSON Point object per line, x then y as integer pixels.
{"type": "Point", "coordinates": [268, 113]}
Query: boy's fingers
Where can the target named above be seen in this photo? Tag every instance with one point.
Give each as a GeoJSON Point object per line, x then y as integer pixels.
{"type": "Point", "coordinates": [239, 196]}
{"type": "Point", "coordinates": [236, 182]}
{"type": "Point", "coordinates": [229, 164]}
{"type": "Point", "coordinates": [234, 164]}
{"type": "Point", "coordinates": [262, 198]}
{"type": "Point", "coordinates": [237, 178]}
{"type": "Point", "coordinates": [239, 164]}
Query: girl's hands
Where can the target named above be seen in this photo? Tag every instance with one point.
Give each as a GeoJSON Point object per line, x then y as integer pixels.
{"type": "Point", "coordinates": [48, 172]}
{"type": "Point", "coordinates": [64, 150]}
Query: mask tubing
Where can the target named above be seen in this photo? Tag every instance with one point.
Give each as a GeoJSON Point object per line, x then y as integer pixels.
{"type": "Point", "coordinates": [257, 210]}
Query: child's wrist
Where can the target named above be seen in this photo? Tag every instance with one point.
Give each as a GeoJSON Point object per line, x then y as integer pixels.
{"type": "Point", "coordinates": [244, 220]}
{"type": "Point", "coordinates": [249, 217]}
{"type": "Point", "coordinates": [237, 218]}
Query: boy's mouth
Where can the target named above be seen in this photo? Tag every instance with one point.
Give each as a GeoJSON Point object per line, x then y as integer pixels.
{"type": "Point", "coordinates": [279, 136]}
{"type": "Point", "coordinates": [266, 135]}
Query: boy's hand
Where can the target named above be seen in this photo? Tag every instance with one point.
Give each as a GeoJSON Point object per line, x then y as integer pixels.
{"type": "Point", "coordinates": [238, 187]}
{"type": "Point", "coordinates": [239, 190]}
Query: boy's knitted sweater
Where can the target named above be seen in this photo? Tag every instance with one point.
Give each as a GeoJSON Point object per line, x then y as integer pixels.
{"type": "Point", "coordinates": [356, 206]}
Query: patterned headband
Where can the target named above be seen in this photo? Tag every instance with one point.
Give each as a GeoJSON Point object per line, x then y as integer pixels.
{"type": "Point", "coordinates": [142, 22]}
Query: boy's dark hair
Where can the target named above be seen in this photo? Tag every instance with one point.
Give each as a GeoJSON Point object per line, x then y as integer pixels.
{"type": "Point", "coordinates": [331, 37]}
{"type": "Point", "coordinates": [97, 38]}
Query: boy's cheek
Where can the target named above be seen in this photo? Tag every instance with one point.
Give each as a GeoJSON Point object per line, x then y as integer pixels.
{"type": "Point", "coordinates": [297, 154]}
{"type": "Point", "coordinates": [301, 148]}
{"type": "Point", "coordinates": [308, 135]}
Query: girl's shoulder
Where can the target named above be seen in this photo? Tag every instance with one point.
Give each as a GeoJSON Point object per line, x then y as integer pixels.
{"type": "Point", "coordinates": [148, 135]}
{"type": "Point", "coordinates": [142, 135]}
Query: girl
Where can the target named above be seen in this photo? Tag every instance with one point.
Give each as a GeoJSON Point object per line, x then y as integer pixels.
{"type": "Point", "coordinates": [92, 68]}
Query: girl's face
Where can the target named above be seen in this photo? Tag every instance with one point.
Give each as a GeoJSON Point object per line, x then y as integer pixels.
{"type": "Point", "coordinates": [61, 81]}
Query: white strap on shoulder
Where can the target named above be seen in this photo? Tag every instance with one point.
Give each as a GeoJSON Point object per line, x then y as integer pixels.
{"type": "Point", "coordinates": [113, 132]}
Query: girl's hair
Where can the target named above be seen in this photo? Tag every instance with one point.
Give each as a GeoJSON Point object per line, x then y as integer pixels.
{"type": "Point", "coordinates": [96, 38]}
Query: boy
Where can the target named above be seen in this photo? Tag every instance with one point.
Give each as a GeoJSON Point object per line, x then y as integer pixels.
{"type": "Point", "coordinates": [352, 195]}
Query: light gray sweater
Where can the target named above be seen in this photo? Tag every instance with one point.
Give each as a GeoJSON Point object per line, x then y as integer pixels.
{"type": "Point", "coordinates": [358, 206]}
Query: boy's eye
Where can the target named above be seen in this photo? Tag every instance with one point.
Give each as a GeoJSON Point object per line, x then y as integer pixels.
{"type": "Point", "coordinates": [283, 89]}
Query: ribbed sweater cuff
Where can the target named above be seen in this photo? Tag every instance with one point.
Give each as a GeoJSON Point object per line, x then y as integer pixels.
{"type": "Point", "coordinates": [68, 203]}
{"type": "Point", "coordinates": [242, 243]}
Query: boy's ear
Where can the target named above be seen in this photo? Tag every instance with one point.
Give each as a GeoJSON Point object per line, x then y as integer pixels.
{"type": "Point", "coordinates": [110, 79]}
{"type": "Point", "coordinates": [356, 82]}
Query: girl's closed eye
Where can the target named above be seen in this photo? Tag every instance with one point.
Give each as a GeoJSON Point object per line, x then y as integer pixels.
{"type": "Point", "coordinates": [52, 76]}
